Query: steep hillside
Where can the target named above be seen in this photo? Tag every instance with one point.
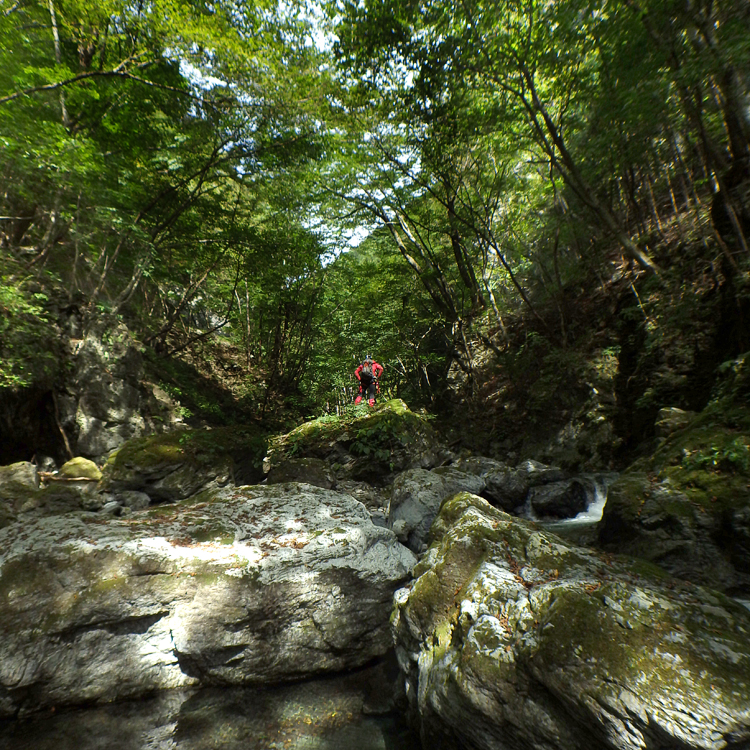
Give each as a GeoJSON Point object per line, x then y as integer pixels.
{"type": "Point", "coordinates": [581, 384]}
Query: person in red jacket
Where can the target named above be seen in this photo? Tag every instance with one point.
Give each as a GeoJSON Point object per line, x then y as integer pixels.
{"type": "Point", "coordinates": [367, 374]}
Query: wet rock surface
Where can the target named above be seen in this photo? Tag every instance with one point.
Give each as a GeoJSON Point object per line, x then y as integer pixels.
{"type": "Point", "coordinates": [322, 714]}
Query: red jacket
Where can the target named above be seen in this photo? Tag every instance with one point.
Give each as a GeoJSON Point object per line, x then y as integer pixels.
{"type": "Point", "coordinates": [377, 371]}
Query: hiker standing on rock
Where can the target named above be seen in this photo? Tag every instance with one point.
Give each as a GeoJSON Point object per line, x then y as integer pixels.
{"type": "Point", "coordinates": [367, 374]}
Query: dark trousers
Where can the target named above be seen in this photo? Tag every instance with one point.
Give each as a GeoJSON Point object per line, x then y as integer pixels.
{"type": "Point", "coordinates": [367, 390]}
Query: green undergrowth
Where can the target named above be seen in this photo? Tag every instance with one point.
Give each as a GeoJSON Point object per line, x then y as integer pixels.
{"type": "Point", "coordinates": [30, 350]}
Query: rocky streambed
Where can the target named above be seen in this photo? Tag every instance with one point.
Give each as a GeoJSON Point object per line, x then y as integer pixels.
{"type": "Point", "coordinates": [338, 712]}
{"type": "Point", "coordinates": [172, 579]}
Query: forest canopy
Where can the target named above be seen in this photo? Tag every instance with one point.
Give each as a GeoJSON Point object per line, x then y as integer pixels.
{"type": "Point", "coordinates": [302, 183]}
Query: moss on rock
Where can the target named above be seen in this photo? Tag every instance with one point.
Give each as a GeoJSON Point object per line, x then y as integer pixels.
{"type": "Point", "coordinates": [363, 443]}
{"type": "Point", "coordinates": [80, 468]}
{"type": "Point", "coordinates": [507, 623]}
{"type": "Point", "coordinates": [177, 464]}
{"type": "Point", "coordinates": [687, 504]}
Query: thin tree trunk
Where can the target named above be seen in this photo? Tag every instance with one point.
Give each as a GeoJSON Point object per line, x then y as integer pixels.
{"type": "Point", "coordinates": [58, 59]}
{"type": "Point", "coordinates": [73, 279]}
{"type": "Point", "coordinates": [552, 141]}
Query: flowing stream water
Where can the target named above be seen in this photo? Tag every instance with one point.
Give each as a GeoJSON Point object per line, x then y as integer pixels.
{"type": "Point", "coordinates": [581, 530]}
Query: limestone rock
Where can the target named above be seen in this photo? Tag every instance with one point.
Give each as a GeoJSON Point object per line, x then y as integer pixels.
{"type": "Point", "coordinates": [686, 506]}
{"type": "Point", "coordinates": [479, 465]}
{"type": "Point", "coordinates": [329, 712]}
{"type": "Point", "coordinates": [106, 401]}
{"type": "Point", "coordinates": [536, 473]}
{"type": "Point", "coordinates": [416, 496]}
{"type": "Point", "coordinates": [373, 498]}
{"type": "Point", "coordinates": [457, 480]}
{"type": "Point", "coordinates": [21, 474]}
{"type": "Point", "coordinates": [22, 497]}
{"type": "Point", "coordinates": [310, 470]}
{"type": "Point", "coordinates": [102, 406]}
{"type": "Point", "coordinates": [415, 500]}
{"type": "Point", "coordinates": [18, 482]}
{"type": "Point", "coordinates": [506, 488]}
{"type": "Point", "coordinates": [134, 500]}
{"type": "Point", "coordinates": [510, 638]}
{"type": "Point", "coordinates": [173, 466]}
{"type": "Point", "coordinates": [251, 585]}
{"type": "Point", "coordinates": [657, 521]}
{"type": "Point", "coordinates": [671, 419]}
{"type": "Point", "coordinates": [559, 499]}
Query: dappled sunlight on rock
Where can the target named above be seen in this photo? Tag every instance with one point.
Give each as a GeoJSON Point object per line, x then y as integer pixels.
{"type": "Point", "coordinates": [239, 585]}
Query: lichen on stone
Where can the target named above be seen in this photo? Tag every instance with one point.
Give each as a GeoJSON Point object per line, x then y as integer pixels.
{"type": "Point", "coordinates": [511, 621]}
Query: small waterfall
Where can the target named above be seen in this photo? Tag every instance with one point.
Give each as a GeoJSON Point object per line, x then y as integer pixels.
{"type": "Point", "coordinates": [581, 529]}
{"type": "Point", "coordinates": [596, 486]}
{"type": "Point", "coordinates": [527, 511]}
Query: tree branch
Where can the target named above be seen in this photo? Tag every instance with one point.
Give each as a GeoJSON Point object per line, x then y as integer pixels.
{"type": "Point", "coordinates": [115, 73]}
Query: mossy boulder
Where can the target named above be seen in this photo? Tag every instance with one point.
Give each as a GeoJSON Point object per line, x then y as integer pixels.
{"type": "Point", "coordinates": [687, 505]}
{"type": "Point", "coordinates": [367, 444]}
{"type": "Point", "coordinates": [175, 465]}
{"type": "Point", "coordinates": [510, 637]}
{"type": "Point", "coordinates": [80, 468]}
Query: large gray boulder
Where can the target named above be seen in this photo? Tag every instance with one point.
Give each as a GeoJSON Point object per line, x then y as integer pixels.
{"type": "Point", "coordinates": [560, 499]}
{"type": "Point", "coordinates": [508, 488]}
{"type": "Point", "coordinates": [249, 585]}
{"type": "Point", "coordinates": [416, 496]}
{"type": "Point", "coordinates": [511, 639]}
